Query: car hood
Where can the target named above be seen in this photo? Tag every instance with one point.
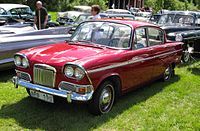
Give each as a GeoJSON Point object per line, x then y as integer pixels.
{"type": "Point", "coordinates": [58, 55]}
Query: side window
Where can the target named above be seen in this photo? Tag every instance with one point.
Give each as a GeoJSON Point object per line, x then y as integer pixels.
{"type": "Point", "coordinates": [156, 36]}
{"type": "Point", "coordinates": [140, 38]}
{"type": "Point", "coordinates": [13, 12]}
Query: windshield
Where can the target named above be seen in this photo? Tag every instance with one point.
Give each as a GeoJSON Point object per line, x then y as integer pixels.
{"type": "Point", "coordinates": [82, 18]}
{"type": "Point", "coordinates": [23, 11]}
{"type": "Point", "coordinates": [104, 33]}
{"type": "Point", "coordinates": [176, 19]}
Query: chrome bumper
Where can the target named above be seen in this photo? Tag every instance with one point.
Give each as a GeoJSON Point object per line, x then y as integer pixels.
{"type": "Point", "coordinates": [61, 93]}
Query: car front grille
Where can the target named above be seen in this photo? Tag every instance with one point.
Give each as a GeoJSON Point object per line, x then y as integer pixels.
{"type": "Point", "coordinates": [44, 75]}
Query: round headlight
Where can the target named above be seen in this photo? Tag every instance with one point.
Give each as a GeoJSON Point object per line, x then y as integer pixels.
{"type": "Point", "coordinates": [69, 71]}
{"type": "Point", "coordinates": [25, 63]}
{"type": "Point", "coordinates": [18, 60]}
{"type": "Point", "coordinates": [79, 73]}
{"type": "Point", "coordinates": [179, 37]}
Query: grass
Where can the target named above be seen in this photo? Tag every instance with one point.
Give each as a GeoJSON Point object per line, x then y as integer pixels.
{"type": "Point", "coordinates": [173, 105]}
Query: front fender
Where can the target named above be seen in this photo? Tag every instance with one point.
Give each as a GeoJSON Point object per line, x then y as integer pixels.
{"type": "Point", "coordinates": [99, 80]}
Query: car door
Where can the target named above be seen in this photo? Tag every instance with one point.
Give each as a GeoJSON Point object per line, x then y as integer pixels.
{"type": "Point", "coordinates": [160, 50]}
{"type": "Point", "coordinates": [140, 65]}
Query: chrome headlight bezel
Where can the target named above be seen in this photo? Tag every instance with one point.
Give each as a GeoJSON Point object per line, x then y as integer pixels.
{"type": "Point", "coordinates": [25, 63]}
{"type": "Point", "coordinates": [77, 72]}
{"type": "Point", "coordinates": [21, 60]}
{"type": "Point", "coordinates": [17, 60]}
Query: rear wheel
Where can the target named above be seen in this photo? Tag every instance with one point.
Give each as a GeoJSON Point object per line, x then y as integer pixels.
{"type": "Point", "coordinates": [103, 99]}
{"type": "Point", "coordinates": [168, 74]}
{"type": "Point", "coordinates": [186, 56]}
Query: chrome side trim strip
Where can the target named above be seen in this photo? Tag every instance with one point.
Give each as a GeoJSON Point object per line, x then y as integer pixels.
{"type": "Point", "coordinates": [7, 60]}
{"type": "Point", "coordinates": [130, 62]}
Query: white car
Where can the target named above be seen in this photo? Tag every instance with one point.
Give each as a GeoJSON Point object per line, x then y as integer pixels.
{"type": "Point", "coordinates": [76, 10]}
{"type": "Point", "coordinates": [117, 11]}
{"type": "Point", "coordinates": [143, 16]}
{"type": "Point", "coordinates": [15, 11]}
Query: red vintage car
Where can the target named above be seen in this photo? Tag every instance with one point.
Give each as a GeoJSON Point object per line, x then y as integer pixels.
{"type": "Point", "coordinates": [102, 60]}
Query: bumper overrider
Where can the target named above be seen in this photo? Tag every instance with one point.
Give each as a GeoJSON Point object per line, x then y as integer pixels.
{"type": "Point", "coordinates": [69, 95]}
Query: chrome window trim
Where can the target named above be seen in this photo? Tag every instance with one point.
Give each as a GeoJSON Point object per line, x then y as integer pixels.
{"type": "Point", "coordinates": [130, 62]}
{"type": "Point", "coordinates": [115, 22]}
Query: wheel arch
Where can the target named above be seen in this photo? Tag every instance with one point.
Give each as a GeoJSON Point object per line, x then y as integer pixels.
{"type": "Point", "coordinates": [115, 79]}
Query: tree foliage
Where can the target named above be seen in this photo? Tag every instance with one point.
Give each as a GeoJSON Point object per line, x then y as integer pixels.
{"type": "Point", "coordinates": [173, 4]}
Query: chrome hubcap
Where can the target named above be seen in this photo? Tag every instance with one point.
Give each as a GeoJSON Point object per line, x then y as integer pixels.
{"type": "Point", "coordinates": [167, 73]}
{"type": "Point", "coordinates": [186, 56]}
{"type": "Point", "coordinates": [106, 98]}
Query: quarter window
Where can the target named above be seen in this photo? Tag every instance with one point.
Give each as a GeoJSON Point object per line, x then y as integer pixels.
{"type": "Point", "coordinates": [140, 39]}
{"type": "Point", "coordinates": [156, 36]}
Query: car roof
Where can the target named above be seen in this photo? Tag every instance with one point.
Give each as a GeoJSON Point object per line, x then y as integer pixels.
{"type": "Point", "coordinates": [117, 10]}
{"type": "Point", "coordinates": [8, 7]}
{"type": "Point", "coordinates": [121, 15]}
{"type": "Point", "coordinates": [132, 23]}
{"type": "Point", "coordinates": [84, 7]}
{"type": "Point", "coordinates": [180, 12]}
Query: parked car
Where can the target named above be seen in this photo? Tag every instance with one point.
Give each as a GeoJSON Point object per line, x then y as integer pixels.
{"type": "Point", "coordinates": [12, 43]}
{"type": "Point", "coordinates": [83, 8]}
{"type": "Point", "coordinates": [15, 13]}
{"type": "Point", "coordinates": [68, 18]}
{"type": "Point", "coordinates": [121, 16]}
{"type": "Point", "coordinates": [143, 16]}
{"type": "Point", "coordinates": [87, 16]}
{"type": "Point", "coordinates": [102, 60]}
{"type": "Point", "coordinates": [117, 11]}
{"type": "Point", "coordinates": [154, 18]}
{"type": "Point", "coordinates": [18, 13]}
{"type": "Point", "coordinates": [182, 26]}
{"type": "Point", "coordinates": [17, 28]}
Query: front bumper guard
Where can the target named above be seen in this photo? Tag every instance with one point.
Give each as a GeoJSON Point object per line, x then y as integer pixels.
{"type": "Point", "coordinates": [61, 93]}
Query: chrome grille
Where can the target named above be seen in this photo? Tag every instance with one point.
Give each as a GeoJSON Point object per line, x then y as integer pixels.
{"type": "Point", "coordinates": [44, 75]}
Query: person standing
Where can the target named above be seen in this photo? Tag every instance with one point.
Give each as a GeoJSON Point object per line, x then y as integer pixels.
{"type": "Point", "coordinates": [95, 12]}
{"type": "Point", "coordinates": [41, 16]}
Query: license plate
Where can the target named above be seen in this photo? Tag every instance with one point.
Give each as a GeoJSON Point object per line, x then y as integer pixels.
{"type": "Point", "coordinates": [42, 96]}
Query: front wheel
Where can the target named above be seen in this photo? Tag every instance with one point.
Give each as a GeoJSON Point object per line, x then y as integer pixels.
{"type": "Point", "coordinates": [103, 99]}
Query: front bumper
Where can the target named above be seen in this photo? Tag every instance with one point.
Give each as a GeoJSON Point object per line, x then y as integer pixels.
{"type": "Point", "coordinates": [69, 95]}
